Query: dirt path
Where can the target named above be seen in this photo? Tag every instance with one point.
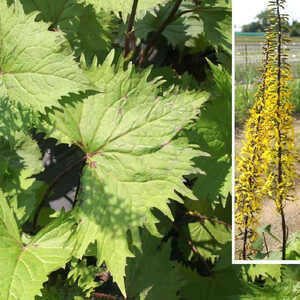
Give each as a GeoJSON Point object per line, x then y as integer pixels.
{"type": "Point", "coordinates": [292, 209]}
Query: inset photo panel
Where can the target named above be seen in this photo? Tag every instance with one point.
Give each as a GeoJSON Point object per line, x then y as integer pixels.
{"type": "Point", "coordinates": [267, 132]}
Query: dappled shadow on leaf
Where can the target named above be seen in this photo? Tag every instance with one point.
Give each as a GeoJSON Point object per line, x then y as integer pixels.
{"type": "Point", "coordinates": [163, 224]}
{"type": "Point", "coordinates": [175, 32]}
{"type": "Point", "coordinates": [151, 274]}
{"type": "Point", "coordinates": [203, 240]}
{"type": "Point", "coordinates": [210, 186]}
{"type": "Point", "coordinates": [20, 159]}
{"type": "Point", "coordinates": [215, 23]}
{"type": "Point", "coordinates": [86, 31]}
{"type": "Point", "coordinates": [215, 2]}
{"type": "Point", "coordinates": [171, 77]}
{"type": "Point", "coordinates": [211, 243]}
{"type": "Point", "coordinates": [14, 118]}
{"type": "Point", "coordinates": [113, 214]}
{"type": "Point", "coordinates": [71, 101]}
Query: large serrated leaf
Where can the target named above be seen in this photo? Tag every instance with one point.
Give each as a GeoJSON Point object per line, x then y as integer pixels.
{"type": "Point", "coordinates": [159, 280]}
{"type": "Point", "coordinates": [273, 271]}
{"type": "Point", "coordinates": [25, 267]}
{"type": "Point", "coordinates": [125, 6]}
{"type": "Point", "coordinates": [209, 238]}
{"type": "Point", "coordinates": [213, 19]}
{"type": "Point", "coordinates": [174, 32]}
{"type": "Point", "coordinates": [213, 134]}
{"type": "Point", "coordinates": [288, 288]}
{"type": "Point", "coordinates": [88, 32]}
{"type": "Point", "coordinates": [34, 69]}
{"type": "Point", "coordinates": [225, 284]}
{"type": "Point", "coordinates": [20, 159]}
{"type": "Point", "coordinates": [133, 164]}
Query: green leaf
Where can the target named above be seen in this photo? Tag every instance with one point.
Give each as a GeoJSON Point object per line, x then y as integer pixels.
{"type": "Point", "coordinates": [125, 6]}
{"type": "Point", "coordinates": [61, 290]}
{"type": "Point", "coordinates": [274, 290]}
{"type": "Point", "coordinates": [273, 271]}
{"type": "Point", "coordinates": [225, 260]}
{"type": "Point", "coordinates": [259, 243]}
{"type": "Point", "coordinates": [291, 272]}
{"type": "Point", "coordinates": [217, 22]}
{"type": "Point", "coordinates": [159, 280]}
{"type": "Point", "coordinates": [18, 146]}
{"type": "Point", "coordinates": [20, 159]}
{"type": "Point", "coordinates": [171, 77]}
{"type": "Point", "coordinates": [84, 276]}
{"type": "Point", "coordinates": [174, 32]}
{"type": "Point", "coordinates": [34, 69]}
{"type": "Point", "coordinates": [25, 268]}
{"type": "Point", "coordinates": [217, 180]}
{"type": "Point", "coordinates": [44, 216]}
{"type": "Point", "coordinates": [224, 284]}
{"type": "Point", "coordinates": [25, 198]}
{"type": "Point", "coordinates": [293, 246]}
{"type": "Point", "coordinates": [7, 220]}
{"type": "Point", "coordinates": [213, 134]}
{"type": "Point", "coordinates": [209, 238]}
{"type": "Point", "coordinates": [133, 163]}
{"type": "Point", "coordinates": [211, 22]}
{"type": "Point", "coordinates": [88, 32]}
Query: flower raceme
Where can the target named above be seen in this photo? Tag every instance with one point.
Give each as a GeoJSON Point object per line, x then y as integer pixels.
{"type": "Point", "coordinates": [266, 166]}
{"type": "Point", "coordinates": [251, 169]}
{"type": "Point", "coordinates": [281, 155]}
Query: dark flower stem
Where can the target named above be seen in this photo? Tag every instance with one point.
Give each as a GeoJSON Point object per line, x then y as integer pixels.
{"type": "Point", "coordinates": [130, 34]}
{"type": "Point", "coordinates": [279, 52]}
{"type": "Point", "coordinates": [171, 17]}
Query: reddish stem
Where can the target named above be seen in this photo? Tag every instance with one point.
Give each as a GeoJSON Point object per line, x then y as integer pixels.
{"type": "Point", "coordinates": [210, 219]}
{"type": "Point", "coordinates": [105, 296]}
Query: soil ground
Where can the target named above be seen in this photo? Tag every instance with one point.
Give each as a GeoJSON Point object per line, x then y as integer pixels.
{"type": "Point", "coordinates": [270, 216]}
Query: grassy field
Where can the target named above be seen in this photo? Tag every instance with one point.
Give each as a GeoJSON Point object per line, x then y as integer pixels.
{"type": "Point", "coordinates": [244, 99]}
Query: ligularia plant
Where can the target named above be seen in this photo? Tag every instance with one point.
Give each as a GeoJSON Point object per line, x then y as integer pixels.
{"type": "Point", "coordinates": [102, 112]}
{"type": "Point", "coordinates": [250, 183]}
{"type": "Point", "coordinates": [267, 163]}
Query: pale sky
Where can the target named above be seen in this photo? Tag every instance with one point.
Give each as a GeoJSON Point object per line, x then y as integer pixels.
{"type": "Point", "coordinates": [244, 11]}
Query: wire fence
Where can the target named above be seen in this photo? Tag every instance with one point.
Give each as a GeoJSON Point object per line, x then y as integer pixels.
{"type": "Point", "coordinates": [249, 57]}
{"type": "Point", "coordinates": [246, 53]}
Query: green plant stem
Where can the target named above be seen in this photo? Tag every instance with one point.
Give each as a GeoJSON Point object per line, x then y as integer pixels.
{"type": "Point", "coordinates": [130, 34]}
{"type": "Point", "coordinates": [171, 17]}
{"type": "Point", "coordinates": [266, 245]}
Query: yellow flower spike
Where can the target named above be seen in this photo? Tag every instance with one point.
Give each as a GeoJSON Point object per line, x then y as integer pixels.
{"type": "Point", "coordinates": [266, 167]}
